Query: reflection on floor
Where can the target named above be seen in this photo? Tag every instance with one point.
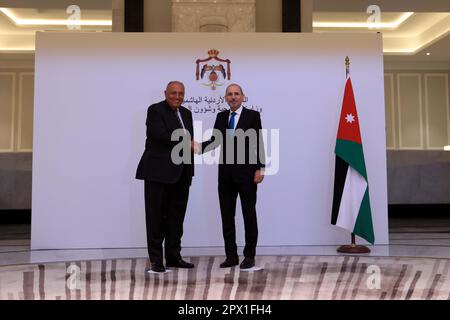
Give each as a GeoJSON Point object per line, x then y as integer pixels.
{"type": "Point", "coordinates": [283, 277]}
{"type": "Point", "coordinates": [414, 266]}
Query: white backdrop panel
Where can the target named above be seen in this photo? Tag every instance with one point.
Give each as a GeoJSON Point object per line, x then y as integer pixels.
{"type": "Point", "coordinates": [91, 96]}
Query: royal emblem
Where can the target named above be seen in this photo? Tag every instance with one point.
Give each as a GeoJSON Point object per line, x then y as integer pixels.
{"type": "Point", "coordinates": [212, 70]}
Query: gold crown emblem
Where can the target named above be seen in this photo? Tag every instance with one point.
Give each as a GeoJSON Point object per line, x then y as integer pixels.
{"type": "Point", "coordinates": [213, 53]}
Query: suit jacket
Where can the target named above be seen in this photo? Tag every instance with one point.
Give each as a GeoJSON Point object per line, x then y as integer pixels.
{"type": "Point", "coordinates": [156, 164]}
{"type": "Point", "coordinates": [254, 156]}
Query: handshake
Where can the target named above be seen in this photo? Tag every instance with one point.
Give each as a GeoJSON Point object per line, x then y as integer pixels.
{"type": "Point", "coordinates": [259, 174]}
{"type": "Point", "coordinates": [195, 147]}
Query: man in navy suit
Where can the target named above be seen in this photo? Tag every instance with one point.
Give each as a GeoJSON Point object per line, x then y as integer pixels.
{"type": "Point", "coordinates": [167, 181]}
{"type": "Point", "coordinates": [240, 171]}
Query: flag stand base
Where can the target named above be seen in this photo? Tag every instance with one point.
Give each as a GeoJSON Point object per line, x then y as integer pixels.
{"type": "Point", "coordinates": [353, 248]}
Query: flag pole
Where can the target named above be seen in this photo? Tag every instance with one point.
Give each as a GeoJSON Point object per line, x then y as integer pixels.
{"type": "Point", "coordinates": [353, 247]}
{"type": "Point", "coordinates": [347, 66]}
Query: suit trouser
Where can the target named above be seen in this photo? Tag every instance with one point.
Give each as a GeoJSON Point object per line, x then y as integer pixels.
{"type": "Point", "coordinates": [228, 192]}
{"type": "Point", "coordinates": [165, 208]}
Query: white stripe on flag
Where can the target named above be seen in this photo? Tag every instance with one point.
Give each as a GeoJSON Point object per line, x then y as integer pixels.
{"type": "Point", "coordinates": [354, 189]}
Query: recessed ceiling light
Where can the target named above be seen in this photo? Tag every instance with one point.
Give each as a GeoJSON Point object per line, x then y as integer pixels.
{"type": "Point", "coordinates": [428, 53]}
{"type": "Point", "coordinates": [52, 22]}
{"type": "Point", "coordinates": [383, 25]}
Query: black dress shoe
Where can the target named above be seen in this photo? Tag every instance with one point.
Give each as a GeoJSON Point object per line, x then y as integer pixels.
{"type": "Point", "coordinates": [247, 263]}
{"type": "Point", "coordinates": [180, 263]}
{"type": "Point", "coordinates": [158, 267]}
{"type": "Point", "coordinates": [229, 262]}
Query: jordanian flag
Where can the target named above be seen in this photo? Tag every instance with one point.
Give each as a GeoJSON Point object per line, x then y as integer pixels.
{"type": "Point", "coordinates": [351, 204]}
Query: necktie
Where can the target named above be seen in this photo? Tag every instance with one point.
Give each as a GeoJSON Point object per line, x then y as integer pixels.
{"type": "Point", "coordinates": [231, 123]}
{"type": "Point", "coordinates": [179, 120]}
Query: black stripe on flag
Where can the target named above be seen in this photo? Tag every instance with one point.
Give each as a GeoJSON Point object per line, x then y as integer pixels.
{"type": "Point", "coordinates": [340, 172]}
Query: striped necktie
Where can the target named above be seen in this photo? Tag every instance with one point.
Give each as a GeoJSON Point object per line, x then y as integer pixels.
{"type": "Point", "coordinates": [179, 120]}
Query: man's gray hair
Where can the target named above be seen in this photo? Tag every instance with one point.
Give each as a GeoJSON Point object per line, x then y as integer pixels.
{"type": "Point", "coordinates": [236, 85]}
{"type": "Point", "coordinates": [175, 82]}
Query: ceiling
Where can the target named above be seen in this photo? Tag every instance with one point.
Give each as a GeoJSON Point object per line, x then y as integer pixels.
{"type": "Point", "coordinates": [19, 25]}
{"type": "Point", "coordinates": [410, 28]}
{"type": "Point", "coordinates": [406, 34]}
{"type": "Point", "coordinates": [385, 5]}
{"type": "Point", "coordinates": [426, 28]}
{"type": "Point", "coordinates": [57, 4]}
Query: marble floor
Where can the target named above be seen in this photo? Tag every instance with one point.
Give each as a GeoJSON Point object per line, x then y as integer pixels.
{"type": "Point", "coordinates": [427, 238]}
{"type": "Point", "coordinates": [280, 278]}
{"type": "Point", "coordinates": [415, 265]}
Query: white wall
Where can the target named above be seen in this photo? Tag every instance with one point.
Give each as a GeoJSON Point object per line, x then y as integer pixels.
{"type": "Point", "coordinates": [91, 96]}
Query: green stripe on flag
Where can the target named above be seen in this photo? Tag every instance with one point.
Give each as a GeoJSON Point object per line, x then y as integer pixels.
{"type": "Point", "coordinates": [363, 224]}
{"type": "Point", "coordinates": [352, 153]}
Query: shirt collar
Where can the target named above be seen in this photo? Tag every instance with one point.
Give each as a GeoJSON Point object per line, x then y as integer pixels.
{"type": "Point", "coordinates": [238, 111]}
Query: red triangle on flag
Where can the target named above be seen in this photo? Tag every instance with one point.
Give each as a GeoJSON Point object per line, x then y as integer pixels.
{"type": "Point", "coordinates": [349, 121]}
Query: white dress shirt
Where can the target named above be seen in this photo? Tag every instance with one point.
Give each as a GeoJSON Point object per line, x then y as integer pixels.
{"type": "Point", "coordinates": [236, 117]}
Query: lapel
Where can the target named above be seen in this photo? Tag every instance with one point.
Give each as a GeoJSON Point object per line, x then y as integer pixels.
{"type": "Point", "coordinates": [240, 123]}
{"type": "Point", "coordinates": [188, 125]}
{"type": "Point", "coordinates": [226, 119]}
{"type": "Point", "coordinates": [171, 115]}
{"type": "Point", "coordinates": [184, 118]}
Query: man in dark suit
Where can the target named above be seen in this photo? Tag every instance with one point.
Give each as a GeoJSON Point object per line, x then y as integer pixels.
{"type": "Point", "coordinates": [167, 182]}
{"type": "Point", "coordinates": [240, 171]}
